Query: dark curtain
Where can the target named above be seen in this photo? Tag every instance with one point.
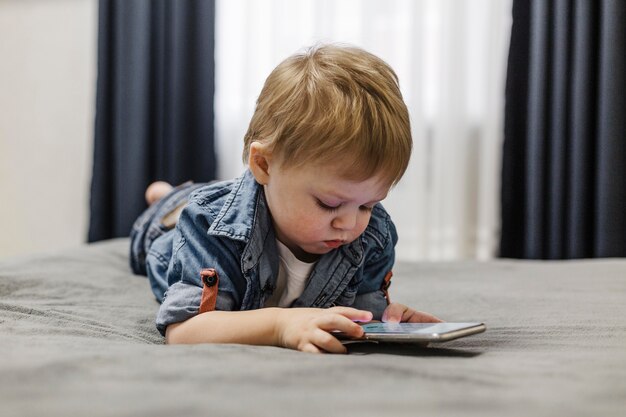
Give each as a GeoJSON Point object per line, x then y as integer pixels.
{"type": "Point", "coordinates": [564, 155]}
{"type": "Point", "coordinates": [154, 106]}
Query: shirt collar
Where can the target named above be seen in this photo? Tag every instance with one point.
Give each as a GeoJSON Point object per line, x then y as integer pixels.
{"type": "Point", "coordinates": [236, 218]}
{"type": "Point", "coordinates": [245, 217]}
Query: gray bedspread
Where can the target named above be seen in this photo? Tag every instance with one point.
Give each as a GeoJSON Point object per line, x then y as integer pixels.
{"type": "Point", "coordinates": [77, 339]}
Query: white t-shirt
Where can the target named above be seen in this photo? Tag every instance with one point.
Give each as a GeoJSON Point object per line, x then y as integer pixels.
{"type": "Point", "coordinates": [293, 275]}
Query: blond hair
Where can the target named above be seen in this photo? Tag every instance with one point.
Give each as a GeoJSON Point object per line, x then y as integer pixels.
{"type": "Point", "coordinates": [334, 104]}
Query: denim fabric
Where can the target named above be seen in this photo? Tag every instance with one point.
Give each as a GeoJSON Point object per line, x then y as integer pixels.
{"type": "Point", "coordinates": [227, 226]}
{"type": "Point", "coordinates": [148, 227]}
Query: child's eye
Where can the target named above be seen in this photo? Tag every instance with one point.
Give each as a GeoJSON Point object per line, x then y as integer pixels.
{"type": "Point", "coordinates": [326, 206]}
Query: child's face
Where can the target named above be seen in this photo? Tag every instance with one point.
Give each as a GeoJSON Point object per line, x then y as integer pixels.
{"type": "Point", "coordinates": [314, 210]}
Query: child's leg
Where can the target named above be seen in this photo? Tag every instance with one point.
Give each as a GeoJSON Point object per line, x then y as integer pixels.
{"type": "Point", "coordinates": [166, 203]}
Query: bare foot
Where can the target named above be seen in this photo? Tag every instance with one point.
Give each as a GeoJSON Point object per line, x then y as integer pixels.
{"type": "Point", "coordinates": [156, 191]}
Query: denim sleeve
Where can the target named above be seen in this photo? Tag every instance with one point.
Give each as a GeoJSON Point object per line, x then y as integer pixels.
{"type": "Point", "coordinates": [182, 302]}
{"type": "Point", "coordinates": [370, 296]}
{"type": "Point", "coordinates": [193, 250]}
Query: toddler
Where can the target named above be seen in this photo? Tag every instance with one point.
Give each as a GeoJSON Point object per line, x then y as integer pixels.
{"type": "Point", "coordinates": [298, 246]}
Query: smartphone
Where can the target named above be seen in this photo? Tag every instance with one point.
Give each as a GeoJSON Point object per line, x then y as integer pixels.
{"type": "Point", "coordinates": [421, 333]}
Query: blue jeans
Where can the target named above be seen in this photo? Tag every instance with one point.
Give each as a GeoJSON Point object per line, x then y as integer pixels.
{"type": "Point", "coordinates": [149, 225]}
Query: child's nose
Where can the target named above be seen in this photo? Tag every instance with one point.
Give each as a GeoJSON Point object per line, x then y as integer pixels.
{"type": "Point", "coordinates": [345, 221]}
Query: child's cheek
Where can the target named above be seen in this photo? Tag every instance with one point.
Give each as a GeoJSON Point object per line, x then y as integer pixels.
{"type": "Point", "coordinates": [364, 221]}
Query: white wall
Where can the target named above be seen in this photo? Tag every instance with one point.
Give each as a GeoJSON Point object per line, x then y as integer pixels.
{"type": "Point", "coordinates": [47, 107]}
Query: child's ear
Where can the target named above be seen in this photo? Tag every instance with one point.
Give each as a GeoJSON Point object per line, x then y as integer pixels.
{"type": "Point", "coordinates": [259, 162]}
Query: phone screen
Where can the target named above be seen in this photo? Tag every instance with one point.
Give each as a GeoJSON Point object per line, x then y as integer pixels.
{"type": "Point", "coordinates": [415, 328]}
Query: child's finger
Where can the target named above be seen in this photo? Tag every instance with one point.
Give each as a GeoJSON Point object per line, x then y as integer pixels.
{"type": "Point", "coordinates": [352, 313]}
{"type": "Point", "coordinates": [421, 317]}
{"type": "Point", "coordinates": [331, 322]}
{"type": "Point", "coordinates": [327, 342]}
{"type": "Point", "coordinates": [310, 348]}
{"type": "Point", "coordinates": [394, 313]}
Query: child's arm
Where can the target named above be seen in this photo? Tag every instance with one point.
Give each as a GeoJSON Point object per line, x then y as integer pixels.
{"type": "Point", "coordinates": [305, 329]}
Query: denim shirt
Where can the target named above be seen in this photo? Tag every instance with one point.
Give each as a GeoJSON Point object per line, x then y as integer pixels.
{"type": "Point", "coordinates": [227, 226]}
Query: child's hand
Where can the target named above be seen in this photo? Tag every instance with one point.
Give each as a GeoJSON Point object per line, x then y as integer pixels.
{"type": "Point", "coordinates": [307, 329]}
{"type": "Point", "coordinates": [395, 313]}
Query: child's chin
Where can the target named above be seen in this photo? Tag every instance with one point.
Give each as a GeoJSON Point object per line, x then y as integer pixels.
{"type": "Point", "coordinates": [317, 251]}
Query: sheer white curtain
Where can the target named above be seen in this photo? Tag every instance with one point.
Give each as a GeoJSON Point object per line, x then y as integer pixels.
{"type": "Point", "coordinates": [450, 56]}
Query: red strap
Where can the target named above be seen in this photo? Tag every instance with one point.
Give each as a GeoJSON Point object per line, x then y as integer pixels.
{"type": "Point", "coordinates": [386, 285]}
{"type": "Point", "coordinates": [210, 281]}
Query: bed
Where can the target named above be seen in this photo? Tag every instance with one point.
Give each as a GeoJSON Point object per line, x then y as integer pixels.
{"type": "Point", "coordinates": [77, 338]}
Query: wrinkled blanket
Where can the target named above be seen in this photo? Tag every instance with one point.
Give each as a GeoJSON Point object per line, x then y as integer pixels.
{"type": "Point", "coordinates": [77, 338]}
